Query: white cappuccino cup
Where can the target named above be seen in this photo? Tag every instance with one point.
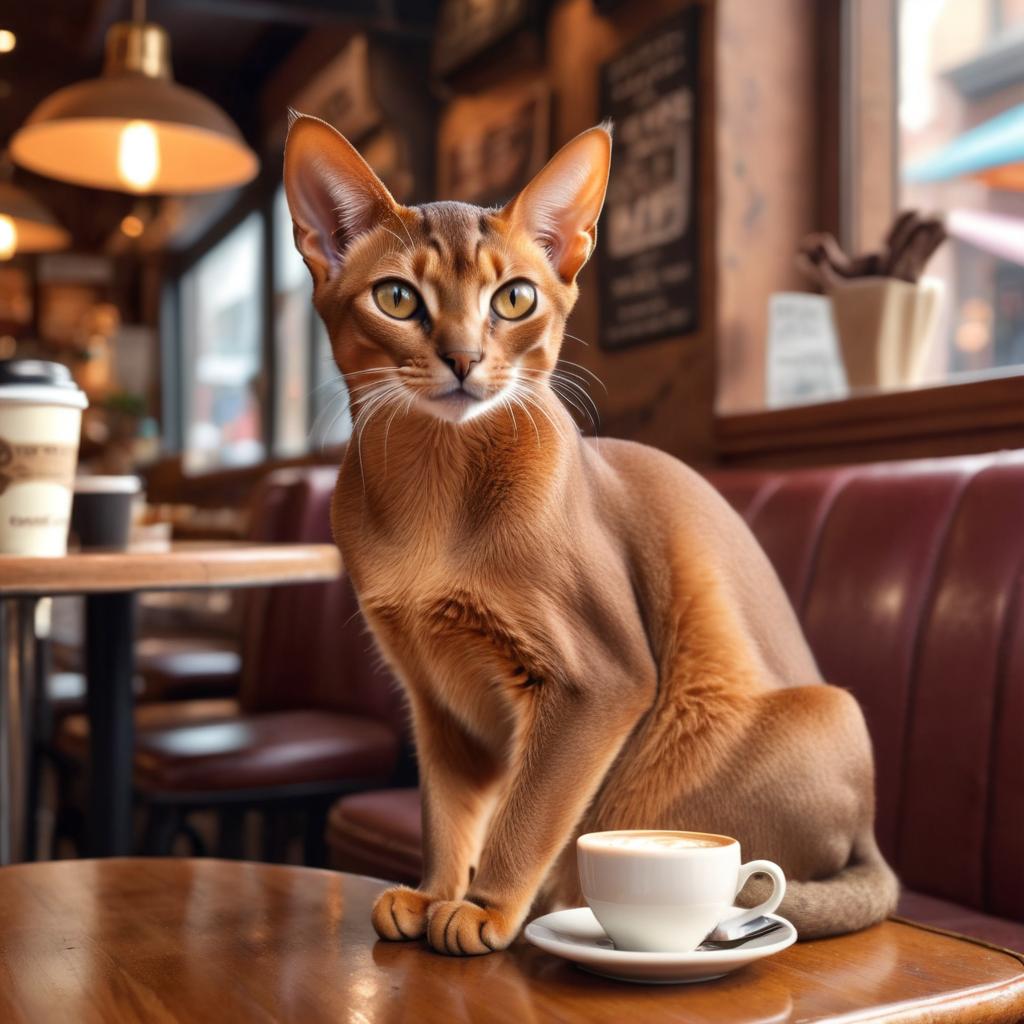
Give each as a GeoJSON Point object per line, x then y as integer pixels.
{"type": "Point", "coordinates": [40, 421]}
{"type": "Point", "coordinates": [661, 891]}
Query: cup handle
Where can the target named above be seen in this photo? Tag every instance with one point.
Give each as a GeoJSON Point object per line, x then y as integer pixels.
{"type": "Point", "coordinates": [769, 906]}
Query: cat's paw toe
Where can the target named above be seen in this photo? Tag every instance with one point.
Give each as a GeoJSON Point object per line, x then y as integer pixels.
{"type": "Point", "coordinates": [400, 914]}
{"type": "Point", "coordinates": [461, 928]}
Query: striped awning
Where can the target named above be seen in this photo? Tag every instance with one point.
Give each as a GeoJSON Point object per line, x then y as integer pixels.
{"type": "Point", "coordinates": [992, 152]}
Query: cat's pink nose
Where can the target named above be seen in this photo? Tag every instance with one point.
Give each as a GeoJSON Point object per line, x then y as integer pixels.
{"type": "Point", "coordinates": [462, 362]}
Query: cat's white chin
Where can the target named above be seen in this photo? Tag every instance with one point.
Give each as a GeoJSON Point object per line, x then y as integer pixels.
{"type": "Point", "coordinates": [457, 406]}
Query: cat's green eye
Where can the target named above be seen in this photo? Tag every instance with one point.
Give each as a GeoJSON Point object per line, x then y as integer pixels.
{"type": "Point", "coordinates": [396, 299]}
{"type": "Point", "coordinates": [515, 300]}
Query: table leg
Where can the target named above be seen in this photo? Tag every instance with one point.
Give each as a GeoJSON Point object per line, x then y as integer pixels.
{"type": "Point", "coordinates": [8, 699]}
{"type": "Point", "coordinates": [110, 665]}
{"type": "Point", "coordinates": [17, 688]}
{"type": "Point", "coordinates": [38, 718]}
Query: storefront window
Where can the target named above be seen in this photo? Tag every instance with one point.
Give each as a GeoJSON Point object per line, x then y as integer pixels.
{"type": "Point", "coordinates": [332, 423]}
{"type": "Point", "coordinates": [293, 326]}
{"type": "Point", "coordinates": [961, 82]}
{"type": "Point", "coordinates": [221, 335]}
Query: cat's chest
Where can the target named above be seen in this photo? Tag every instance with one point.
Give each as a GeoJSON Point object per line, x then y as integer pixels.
{"type": "Point", "coordinates": [474, 654]}
{"type": "Point", "coordinates": [481, 628]}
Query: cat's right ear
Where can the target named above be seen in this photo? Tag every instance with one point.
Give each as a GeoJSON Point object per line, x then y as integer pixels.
{"type": "Point", "coordinates": [333, 195]}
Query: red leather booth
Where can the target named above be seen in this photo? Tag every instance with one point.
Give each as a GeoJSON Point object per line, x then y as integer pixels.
{"type": "Point", "coordinates": [908, 578]}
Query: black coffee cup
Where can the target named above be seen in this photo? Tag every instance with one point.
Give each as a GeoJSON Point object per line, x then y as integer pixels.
{"type": "Point", "coordinates": [101, 513]}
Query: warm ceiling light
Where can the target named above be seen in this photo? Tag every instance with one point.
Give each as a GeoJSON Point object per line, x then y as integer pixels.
{"type": "Point", "coordinates": [134, 129]}
{"type": "Point", "coordinates": [138, 156]}
{"type": "Point", "coordinates": [132, 226]}
{"type": "Point", "coordinates": [26, 225]}
{"type": "Point", "coordinates": [8, 40]}
{"type": "Point", "coordinates": [8, 237]}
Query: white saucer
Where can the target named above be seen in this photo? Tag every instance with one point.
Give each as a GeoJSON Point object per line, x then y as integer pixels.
{"type": "Point", "coordinates": [575, 935]}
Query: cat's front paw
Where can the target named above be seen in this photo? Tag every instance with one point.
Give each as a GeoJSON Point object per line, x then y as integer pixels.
{"type": "Point", "coordinates": [401, 914]}
{"type": "Point", "coordinates": [461, 928]}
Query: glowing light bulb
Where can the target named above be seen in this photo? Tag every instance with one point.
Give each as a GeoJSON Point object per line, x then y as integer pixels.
{"type": "Point", "coordinates": [8, 237]}
{"type": "Point", "coordinates": [8, 40]}
{"type": "Point", "coordinates": [138, 155]}
{"type": "Point", "coordinates": [132, 226]}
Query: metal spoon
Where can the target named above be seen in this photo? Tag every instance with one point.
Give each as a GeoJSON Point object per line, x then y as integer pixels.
{"type": "Point", "coordinates": [709, 944]}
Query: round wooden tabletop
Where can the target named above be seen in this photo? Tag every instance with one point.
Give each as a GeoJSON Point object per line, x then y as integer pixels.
{"type": "Point", "coordinates": [162, 941]}
{"type": "Point", "coordinates": [188, 565]}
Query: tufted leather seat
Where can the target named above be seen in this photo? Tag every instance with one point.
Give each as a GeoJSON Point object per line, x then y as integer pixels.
{"type": "Point", "coordinates": [314, 706]}
{"type": "Point", "coordinates": [908, 578]}
{"type": "Point", "coordinates": [180, 668]}
{"type": "Point", "coordinates": [263, 751]}
{"type": "Point", "coordinates": [378, 833]}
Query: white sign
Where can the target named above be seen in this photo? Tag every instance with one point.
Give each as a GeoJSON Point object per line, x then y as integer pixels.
{"type": "Point", "coordinates": [803, 361]}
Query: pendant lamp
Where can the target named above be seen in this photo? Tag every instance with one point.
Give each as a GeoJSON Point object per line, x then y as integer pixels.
{"type": "Point", "coordinates": [26, 225]}
{"type": "Point", "coordinates": [134, 129]}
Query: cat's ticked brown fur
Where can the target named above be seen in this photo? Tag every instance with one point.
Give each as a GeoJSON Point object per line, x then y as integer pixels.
{"type": "Point", "coordinates": [589, 636]}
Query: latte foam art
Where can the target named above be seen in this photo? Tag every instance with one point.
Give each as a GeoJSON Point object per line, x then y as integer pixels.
{"type": "Point", "coordinates": [659, 841]}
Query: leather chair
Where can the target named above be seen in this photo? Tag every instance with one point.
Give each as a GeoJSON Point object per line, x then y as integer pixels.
{"type": "Point", "coordinates": [187, 668]}
{"type": "Point", "coordinates": [908, 579]}
{"type": "Point", "coordinates": [179, 667]}
{"type": "Point", "coordinates": [315, 715]}
{"type": "Point", "coordinates": [62, 728]}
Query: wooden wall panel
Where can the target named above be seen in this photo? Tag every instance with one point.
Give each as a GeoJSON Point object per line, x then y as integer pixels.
{"type": "Point", "coordinates": [768, 169]}
{"type": "Point", "coordinates": [660, 393]}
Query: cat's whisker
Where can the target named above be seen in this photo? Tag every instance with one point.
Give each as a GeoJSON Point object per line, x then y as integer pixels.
{"type": "Point", "coordinates": [561, 373]}
{"type": "Point", "coordinates": [573, 386]}
{"type": "Point", "coordinates": [336, 379]}
{"type": "Point", "coordinates": [566, 398]}
{"type": "Point", "coordinates": [363, 417]}
{"type": "Point", "coordinates": [398, 237]}
{"type": "Point", "coordinates": [405, 228]}
{"type": "Point", "coordinates": [533, 399]}
{"type": "Point", "coordinates": [369, 386]}
{"type": "Point", "coordinates": [515, 395]}
{"type": "Point", "coordinates": [387, 428]}
{"type": "Point", "coordinates": [328, 407]}
{"type": "Point", "coordinates": [566, 334]}
{"type": "Point", "coordinates": [585, 395]}
{"type": "Point", "coordinates": [586, 370]}
{"type": "Point", "coordinates": [579, 386]}
{"type": "Point", "coordinates": [512, 416]}
{"type": "Point", "coordinates": [371, 369]}
{"type": "Point", "coordinates": [372, 403]}
{"type": "Point", "coordinates": [330, 426]}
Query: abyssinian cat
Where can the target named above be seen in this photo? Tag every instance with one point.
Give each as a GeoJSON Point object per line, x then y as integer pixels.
{"type": "Point", "coordinates": [589, 637]}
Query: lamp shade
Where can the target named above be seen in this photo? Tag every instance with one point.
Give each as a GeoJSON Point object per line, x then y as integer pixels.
{"type": "Point", "coordinates": [26, 225]}
{"type": "Point", "coordinates": [134, 129]}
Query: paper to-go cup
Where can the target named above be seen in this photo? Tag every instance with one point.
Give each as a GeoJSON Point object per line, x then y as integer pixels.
{"type": "Point", "coordinates": [40, 422]}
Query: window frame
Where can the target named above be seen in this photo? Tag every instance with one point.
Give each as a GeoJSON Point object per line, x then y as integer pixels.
{"type": "Point", "coordinates": [256, 198]}
{"type": "Point", "coordinates": [951, 418]}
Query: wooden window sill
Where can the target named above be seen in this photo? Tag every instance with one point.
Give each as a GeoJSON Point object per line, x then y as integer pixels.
{"type": "Point", "coordinates": [952, 419]}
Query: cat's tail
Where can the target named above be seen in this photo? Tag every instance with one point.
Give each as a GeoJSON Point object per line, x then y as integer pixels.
{"type": "Point", "coordinates": [861, 894]}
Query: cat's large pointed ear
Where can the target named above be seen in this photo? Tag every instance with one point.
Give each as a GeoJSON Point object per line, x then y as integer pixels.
{"type": "Point", "coordinates": [560, 207]}
{"type": "Point", "coordinates": [333, 195]}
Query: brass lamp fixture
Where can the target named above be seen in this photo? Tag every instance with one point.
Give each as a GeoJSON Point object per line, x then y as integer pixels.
{"type": "Point", "coordinates": [134, 129]}
{"type": "Point", "coordinates": [26, 225]}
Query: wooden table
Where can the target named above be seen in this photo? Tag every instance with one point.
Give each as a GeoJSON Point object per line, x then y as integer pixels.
{"type": "Point", "coordinates": [110, 580]}
{"type": "Point", "coordinates": [194, 941]}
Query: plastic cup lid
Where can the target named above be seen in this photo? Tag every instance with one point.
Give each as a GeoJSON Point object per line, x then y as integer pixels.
{"type": "Point", "coordinates": [107, 485]}
{"type": "Point", "coordinates": [36, 371]}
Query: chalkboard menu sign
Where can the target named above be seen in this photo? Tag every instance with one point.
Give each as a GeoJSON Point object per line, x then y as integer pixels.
{"type": "Point", "coordinates": [648, 260]}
